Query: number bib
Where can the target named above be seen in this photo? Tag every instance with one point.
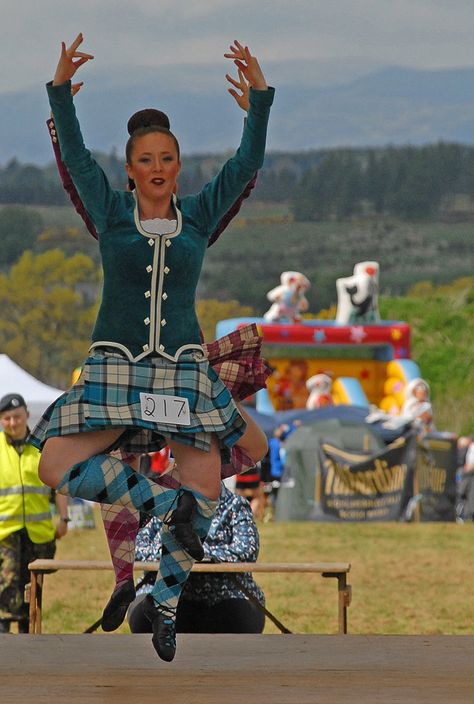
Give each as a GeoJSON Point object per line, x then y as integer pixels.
{"type": "Point", "coordinates": [162, 408]}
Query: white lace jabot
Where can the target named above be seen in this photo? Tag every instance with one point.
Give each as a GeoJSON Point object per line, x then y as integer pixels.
{"type": "Point", "coordinates": [159, 226]}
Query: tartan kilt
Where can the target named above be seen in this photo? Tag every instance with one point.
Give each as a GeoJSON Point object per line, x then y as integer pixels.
{"type": "Point", "coordinates": [236, 359]}
{"type": "Point", "coordinates": [107, 394]}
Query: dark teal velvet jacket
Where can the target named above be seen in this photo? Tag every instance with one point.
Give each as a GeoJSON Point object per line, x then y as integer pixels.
{"type": "Point", "coordinates": [148, 301]}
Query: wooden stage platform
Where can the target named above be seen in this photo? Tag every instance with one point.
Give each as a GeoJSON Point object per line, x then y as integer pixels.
{"type": "Point", "coordinates": [237, 669]}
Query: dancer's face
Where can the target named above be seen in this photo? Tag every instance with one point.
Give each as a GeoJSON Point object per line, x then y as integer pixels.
{"type": "Point", "coordinates": [154, 166]}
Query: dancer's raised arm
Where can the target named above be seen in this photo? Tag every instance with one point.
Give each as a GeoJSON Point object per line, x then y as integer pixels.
{"type": "Point", "coordinates": [90, 181]}
{"type": "Point", "coordinates": [218, 195]}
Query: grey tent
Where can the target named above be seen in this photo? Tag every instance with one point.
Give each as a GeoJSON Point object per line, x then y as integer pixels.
{"type": "Point", "coordinates": [297, 496]}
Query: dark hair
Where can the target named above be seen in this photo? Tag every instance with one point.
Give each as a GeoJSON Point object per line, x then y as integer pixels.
{"type": "Point", "coordinates": [146, 118]}
{"type": "Point", "coordinates": [145, 122]}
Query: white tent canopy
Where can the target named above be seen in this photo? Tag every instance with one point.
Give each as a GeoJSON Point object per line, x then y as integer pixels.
{"type": "Point", "coordinates": [14, 380]}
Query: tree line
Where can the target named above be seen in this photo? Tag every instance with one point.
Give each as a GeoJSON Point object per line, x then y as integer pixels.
{"type": "Point", "coordinates": [27, 184]}
{"type": "Point", "coordinates": [406, 182]}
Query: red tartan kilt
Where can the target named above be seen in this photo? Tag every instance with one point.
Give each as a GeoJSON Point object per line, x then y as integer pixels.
{"type": "Point", "coordinates": [236, 359]}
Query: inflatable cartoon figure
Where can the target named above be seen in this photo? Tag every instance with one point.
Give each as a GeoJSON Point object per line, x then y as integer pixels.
{"type": "Point", "coordinates": [357, 295]}
{"type": "Point", "coordinates": [288, 299]}
{"type": "Point", "coordinates": [417, 404]}
{"type": "Point", "coordinates": [319, 387]}
{"type": "Point", "coordinates": [290, 389]}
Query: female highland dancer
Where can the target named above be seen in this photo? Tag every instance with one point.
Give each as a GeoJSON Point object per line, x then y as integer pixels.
{"type": "Point", "coordinates": [236, 359]}
{"type": "Point", "coordinates": [147, 380]}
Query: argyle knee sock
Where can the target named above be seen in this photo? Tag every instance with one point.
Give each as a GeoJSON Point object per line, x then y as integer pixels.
{"type": "Point", "coordinates": [206, 508]}
{"type": "Point", "coordinates": [109, 480]}
{"type": "Point", "coordinates": [121, 527]}
{"type": "Point", "coordinates": [175, 566]}
{"type": "Point", "coordinates": [176, 563]}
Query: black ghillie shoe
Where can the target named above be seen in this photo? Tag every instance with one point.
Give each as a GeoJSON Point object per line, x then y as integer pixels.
{"type": "Point", "coordinates": [163, 623]}
{"type": "Point", "coordinates": [24, 625]}
{"type": "Point", "coordinates": [116, 608]}
{"type": "Point", "coordinates": [180, 525]}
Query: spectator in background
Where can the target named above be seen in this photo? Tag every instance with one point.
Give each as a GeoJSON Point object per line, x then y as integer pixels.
{"type": "Point", "coordinates": [277, 459]}
{"type": "Point", "coordinates": [211, 602]}
{"type": "Point", "coordinates": [463, 445]}
{"type": "Point", "coordinates": [26, 526]}
{"type": "Point", "coordinates": [469, 460]}
{"type": "Point", "coordinates": [466, 484]}
{"type": "Point", "coordinates": [249, 485]}
{"type": "Point", "coordinates": [417, 405]}
{"type": "Point", "coordinates": [277, 453]}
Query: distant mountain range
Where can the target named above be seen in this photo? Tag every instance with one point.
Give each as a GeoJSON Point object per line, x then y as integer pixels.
{"type": "Point", "coordinates": [317, 105]}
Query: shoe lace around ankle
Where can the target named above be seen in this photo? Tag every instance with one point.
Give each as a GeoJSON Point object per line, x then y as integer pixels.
{"type": "Point", "coordinates": [169, 624]}
{"type": "Point", "coordinates": [167, 517]}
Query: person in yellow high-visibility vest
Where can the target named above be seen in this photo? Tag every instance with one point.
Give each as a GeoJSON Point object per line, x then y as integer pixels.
{"type": "Point", "coordinates": [26, 526]}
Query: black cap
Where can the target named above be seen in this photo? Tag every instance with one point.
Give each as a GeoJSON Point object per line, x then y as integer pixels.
{"type": "Point", "coordinates": [10, 402]}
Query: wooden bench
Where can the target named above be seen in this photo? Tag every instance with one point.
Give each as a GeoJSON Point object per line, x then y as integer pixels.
{"type": "Point", "coordinates": [336, 570]}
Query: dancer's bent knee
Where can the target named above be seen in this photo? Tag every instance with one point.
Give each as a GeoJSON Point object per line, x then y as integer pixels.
{"type": "Point", "coordinates": [53, 463]}
{"type": "Point", "coordinates": [59, 454]}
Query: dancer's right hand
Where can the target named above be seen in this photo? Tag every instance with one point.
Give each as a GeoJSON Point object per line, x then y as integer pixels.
{"type": "Point", "coordinates": [69, 61]}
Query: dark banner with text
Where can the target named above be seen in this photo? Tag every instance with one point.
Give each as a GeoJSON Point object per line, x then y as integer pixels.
{"type": "Point", "coordinates": [358, 487]}
{"type": "Point", "coordinates": [435, 478]}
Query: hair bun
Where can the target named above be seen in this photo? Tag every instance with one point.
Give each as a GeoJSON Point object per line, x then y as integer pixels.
{"type": "Point", "coordinates": [147, 118]}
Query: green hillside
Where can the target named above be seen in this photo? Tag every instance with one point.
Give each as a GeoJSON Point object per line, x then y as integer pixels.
{"type": "Point", "coordinates": [247, 260]}
{"type": "Point", "coordinates": [264, 240]}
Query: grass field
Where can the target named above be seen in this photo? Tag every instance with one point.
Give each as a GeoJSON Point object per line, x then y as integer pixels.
{"type": "Point", "coordinates": [406, 578]}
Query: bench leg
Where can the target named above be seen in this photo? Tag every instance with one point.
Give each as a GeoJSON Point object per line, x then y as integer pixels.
{"type": "Point", "coordinates": [36, 594]}
{"type": "Point", "coordinates": [344, 599]}
{"type": "Point", "coordinates": [32, 625]}
{"type": "Point", "coordinates": [39, 602]}
{"type": "Point", "coordinates": [344, 594]}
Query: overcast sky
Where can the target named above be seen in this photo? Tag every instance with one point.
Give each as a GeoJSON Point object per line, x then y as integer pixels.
{"type": "Point", "coordinates": [415, 33]}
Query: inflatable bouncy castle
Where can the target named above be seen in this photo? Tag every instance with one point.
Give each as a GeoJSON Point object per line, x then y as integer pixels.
{"type": "Point", "coordinates": [359, 359]}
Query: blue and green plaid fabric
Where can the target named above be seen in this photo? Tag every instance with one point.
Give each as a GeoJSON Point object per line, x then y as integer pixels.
{"type": "Point", "coordinates": [108, 394]}
{"type": "Point", "coordinates": [175, 562]}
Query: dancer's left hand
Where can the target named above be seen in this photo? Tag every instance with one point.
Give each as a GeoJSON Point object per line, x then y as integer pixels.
{"type": "Point", "coordinates": [241, 95]}
{"type": "Point", "coordinates": [248, 64]}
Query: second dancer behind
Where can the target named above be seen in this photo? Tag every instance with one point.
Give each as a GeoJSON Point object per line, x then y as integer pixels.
{"type": "Point", "coordinates": [147, 381]}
